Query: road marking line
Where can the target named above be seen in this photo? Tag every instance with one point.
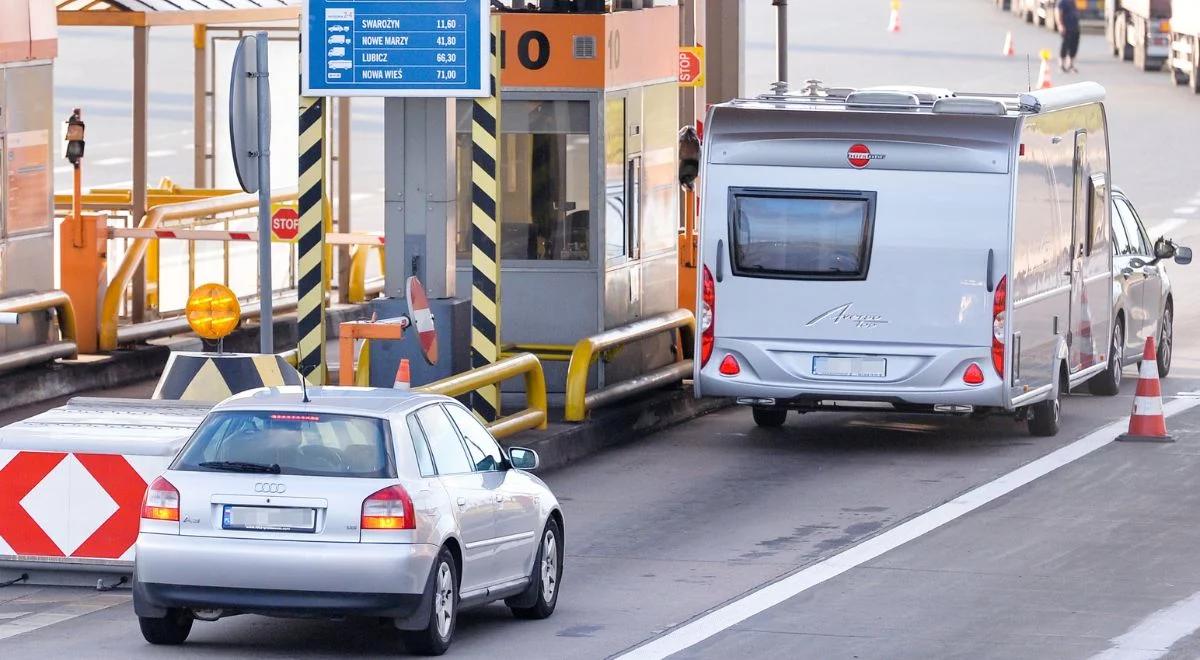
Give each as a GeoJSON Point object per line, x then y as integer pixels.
{"type": "Point", "coordinates": [1167, 225]}
{"type": "Point", "coordinates": [159, 153]}
{"type": "Point", "coordinates": [106, 162]}
{"type": "Point", "coordinates": [1184, 210]}
{"type": "Point", "coordinates": [12, 615]}
{"type": "Point", "coordinates": [1157, 633]}
{"type": "Point", "coordinates": [764, 598]}
{"type": "Point", "coordinates": [64, 612]}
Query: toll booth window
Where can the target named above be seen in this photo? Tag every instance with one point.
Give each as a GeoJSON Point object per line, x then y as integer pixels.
{"type": "Point", "coordinates": [615, 240]}
{"type": "Point", "coordinates": [544, 179]}
{"type": "Point", "coordinates": [802, 236]}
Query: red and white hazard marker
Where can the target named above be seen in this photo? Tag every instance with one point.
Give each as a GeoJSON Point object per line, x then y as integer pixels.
{"type": "Point", "coordinates": [422, 318]}
{"type": "Point", "coordinates": [1147, 423]}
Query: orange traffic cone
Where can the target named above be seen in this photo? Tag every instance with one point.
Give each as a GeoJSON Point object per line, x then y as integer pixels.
{"type": "Point", "coordinates": [1146, 423]}
{"type": "Point", "coordinates": [1009, 51]}
{"type": "Point", "coordinates": [894, 21]}
{"type": "Point", "coordinates": [1044, 81]}
{"type": "Point", "coordinates": [403, 381]}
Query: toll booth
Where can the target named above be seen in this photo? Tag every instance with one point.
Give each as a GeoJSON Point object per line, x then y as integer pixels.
{"type": "Point", "coordinates": [589, 193]}
{"type": "Point", "coordinates": [28, 46]}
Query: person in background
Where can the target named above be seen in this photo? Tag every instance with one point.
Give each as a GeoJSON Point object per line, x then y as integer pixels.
{"type": "Point", "coordinates": [1068, 25]}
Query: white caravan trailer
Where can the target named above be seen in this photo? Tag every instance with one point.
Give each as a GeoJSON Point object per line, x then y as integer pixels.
{"type": "Point", "coordinates": [906, 249]}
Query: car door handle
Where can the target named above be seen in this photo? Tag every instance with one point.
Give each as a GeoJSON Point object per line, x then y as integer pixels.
{"type": "Point", "coordinates": [1127, 273]}
{"type": "Point", "coordinates": [462, 501]}
{"type": "Point", "coordinates": [499, 498]}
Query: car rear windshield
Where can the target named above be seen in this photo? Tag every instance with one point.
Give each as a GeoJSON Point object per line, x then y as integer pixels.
{"type": "Point", "coordinates": [801, 235]}
{"type": "Point", "coordinates": [317, 444]}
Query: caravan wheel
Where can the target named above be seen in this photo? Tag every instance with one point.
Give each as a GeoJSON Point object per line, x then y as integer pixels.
{"type": "Point", "coordinates": [1046, 416]}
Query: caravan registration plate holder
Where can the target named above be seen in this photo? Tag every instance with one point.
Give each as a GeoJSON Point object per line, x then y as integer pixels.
{"type": "Point", "coordinates": [838, 366]}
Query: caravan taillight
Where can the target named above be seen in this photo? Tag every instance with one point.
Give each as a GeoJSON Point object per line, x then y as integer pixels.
{"type": "Point", "coordinates": [999, 300]}
{"type": "Point", "coordinates": [708, 314]}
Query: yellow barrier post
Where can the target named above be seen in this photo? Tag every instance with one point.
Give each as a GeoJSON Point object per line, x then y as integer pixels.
{"type": "Point", "coordinates": [534, 416]}
{"type": "Point", "coordinates": [579, 401]}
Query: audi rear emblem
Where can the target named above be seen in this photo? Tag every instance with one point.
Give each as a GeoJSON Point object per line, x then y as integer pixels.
{"type": "Point", "coordinates": [263, 487]}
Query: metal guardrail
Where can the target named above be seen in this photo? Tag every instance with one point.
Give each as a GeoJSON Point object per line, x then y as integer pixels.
{"type": "Point", "coordinates": [110, 307]}
{"type": "Point", "coordinates": [534, 416]}
{"type": "Point", "coordinates": [580, 401]}
{"type": "Point", "coordinates": [39, 302]}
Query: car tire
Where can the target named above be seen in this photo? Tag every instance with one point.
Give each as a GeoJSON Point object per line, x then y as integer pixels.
{"type": "Point", "coordinates": [770, 418]}
{"type": "Point", "coordinates": [171, 630]}
{"type": "Point", "coordinates": [1108, 382]}
{"type": "Point", "coordinates": [1166, 342]}
{"type": "Point", "coordinates": [545, 580]}
{"type": "Point", "coordinates": [435, 638]}
{"type": "Point", "coordinates": [1045, 417]}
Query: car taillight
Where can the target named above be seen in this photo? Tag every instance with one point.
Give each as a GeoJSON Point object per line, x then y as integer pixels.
{"type": "Point", "coordinates": [730, 366]}
{"type": "Point", "coordinates": [161, 501]}
{"type": "Point", "coordinates": [998, 320]}
{"type": "Point", "coordinates": [708, 316]}
{"type": "Point", "coordinates": [973, 375]}
{"type": "Point", "coordinates": [390, 508]}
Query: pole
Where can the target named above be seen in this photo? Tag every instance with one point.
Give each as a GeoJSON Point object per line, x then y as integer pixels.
{"type": "Point", "coordinates": [485, 236]}
{"type": "Point", "coordinates": [782, 40]}
{"type": "Point", "coordinates": [310, 253]}
{"type": "Point", "coordinates": [266, 320]}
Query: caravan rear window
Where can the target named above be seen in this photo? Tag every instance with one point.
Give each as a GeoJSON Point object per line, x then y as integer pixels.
{"type": "Point", "coordinates": [802, 235]}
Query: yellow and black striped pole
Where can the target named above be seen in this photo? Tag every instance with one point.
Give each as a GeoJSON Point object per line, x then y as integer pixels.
{"type": "Point", "coordinates": [485, 235]}
{"type": "Point", "coordinates": [310, 287]}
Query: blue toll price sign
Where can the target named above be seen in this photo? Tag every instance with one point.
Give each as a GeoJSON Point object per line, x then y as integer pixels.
{"type": "Point", "coordinates": [395, 48]}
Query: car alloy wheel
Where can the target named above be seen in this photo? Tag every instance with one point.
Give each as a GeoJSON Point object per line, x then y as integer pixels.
{"type": "Point", "coordinates": [1165, 343]}
{"type": "Point", "coordinates": [549, 566]}
{"type": "Point", "coordinates": [444, 604]}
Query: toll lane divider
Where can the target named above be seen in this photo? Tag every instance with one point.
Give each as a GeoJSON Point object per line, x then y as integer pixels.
{"type": "Point", "coordinates": [579, 401]}
{"type": "Point", "coordinates": [71, 485]}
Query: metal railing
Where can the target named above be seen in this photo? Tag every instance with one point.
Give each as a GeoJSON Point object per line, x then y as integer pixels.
{"type": "Point", "coordinates": [534, 416]}
{"type": "Point", "coordinates": [40, 302]}
{"type": "Point", "coordinates": [136, 252]}
{"type": "Point", "coordinates": [579, 401]}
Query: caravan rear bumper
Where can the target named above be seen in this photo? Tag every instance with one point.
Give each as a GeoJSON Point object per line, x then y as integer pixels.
{"type": "Point", "coordinates": [924, 376]}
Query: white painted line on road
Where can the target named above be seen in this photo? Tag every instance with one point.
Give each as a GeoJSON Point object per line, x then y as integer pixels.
{"type": "Point", "coordinates": [159, 153]}
{"type": "Point", "coordinates": [63, 169]}
{"type": "Point", "coordinates": [1185, 210]}
{"type": "Point", "coordinates": [1167, 225]}
{"type": "Point", "coordinates": [1157, 633]}
{"type": "Point", "coordinates": [106, 162]}
{"type": "Point", "coordinates": [64, 612]}
{"type": "Point", "coordinates": [764, 598]}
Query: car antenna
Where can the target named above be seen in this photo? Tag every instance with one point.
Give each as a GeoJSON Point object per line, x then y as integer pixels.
{"type": "Point", "coordinates": [304, 382]}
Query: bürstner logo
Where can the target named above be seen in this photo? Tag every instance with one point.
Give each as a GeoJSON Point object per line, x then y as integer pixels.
{"type": "Point", "coordinates": [842, 313]}
{"type": "Point", "coordinates": [860, 156]}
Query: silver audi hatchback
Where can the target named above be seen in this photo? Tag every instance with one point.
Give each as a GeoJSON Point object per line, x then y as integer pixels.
{"type": "Point", "coordinates": [345, 502]}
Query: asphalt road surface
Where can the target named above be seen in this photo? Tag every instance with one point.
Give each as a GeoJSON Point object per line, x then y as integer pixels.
{"type": "Point", "coordinates": [843, 536]}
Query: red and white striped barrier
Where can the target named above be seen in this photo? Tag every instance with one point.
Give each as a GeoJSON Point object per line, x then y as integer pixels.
{"type": "Point", "coordinates": [1147, 422]}
{"type": "Point", "coordinates": [233, 236]}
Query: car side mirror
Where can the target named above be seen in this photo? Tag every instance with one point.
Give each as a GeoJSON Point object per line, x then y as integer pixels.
{"type": "Point", "coordinates": [1183, 255]}
{"type": "Point", "coordinates": [1135, 262]}
{"type": "Point", "coordinates": [523, 459]}
{"type": "Point", "coordinates": [1163, 249]}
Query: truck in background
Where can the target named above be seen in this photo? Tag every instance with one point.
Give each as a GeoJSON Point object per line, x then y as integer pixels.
{"type": "Point", "coordinates": [1184, 46]}
{"type": "Point", "coordinates": [1139, 30]}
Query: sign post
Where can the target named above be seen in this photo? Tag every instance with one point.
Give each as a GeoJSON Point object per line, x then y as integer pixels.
{"type": "Point", "coordinates": [250, 139]}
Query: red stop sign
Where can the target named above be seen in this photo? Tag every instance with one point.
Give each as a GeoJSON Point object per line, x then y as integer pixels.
{"type": "Point", "coordinates": [285, 224]}
{"type": "Point", "coordinates": [689, 67]}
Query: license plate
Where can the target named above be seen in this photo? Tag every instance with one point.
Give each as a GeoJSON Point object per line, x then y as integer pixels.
{"type": "Point", "coordinates": [269, 519]}
{"type": "Point", "coordinates": [849, 367]}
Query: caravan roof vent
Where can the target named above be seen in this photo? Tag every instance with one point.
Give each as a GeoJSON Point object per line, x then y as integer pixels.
{"type": "Point", "coordinates": [887, 98]}
{"type": "Point", "coordinates": [969, 106]}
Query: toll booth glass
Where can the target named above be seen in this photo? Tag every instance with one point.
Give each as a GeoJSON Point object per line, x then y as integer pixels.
{"type": "Point", "coordinates": [543, 177]}
{"type": "Point", "coordinates": [615, 242]}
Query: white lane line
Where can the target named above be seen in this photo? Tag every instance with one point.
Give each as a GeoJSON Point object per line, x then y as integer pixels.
{"type": "Point", "coordinates": [64, 612]}
{"type": "Point", "coordinates": [159, 153]}
{"type": "Point", "coordinates": [106, 162]}
{"type": "Point", "coordinates": [1166, 226]}
{"type": "Point", "coordinates": [1157, 633]}
{"type": "Point", "coordinates": [762, 599]}
{"type": "Point", "coordinates": [1185, 210]}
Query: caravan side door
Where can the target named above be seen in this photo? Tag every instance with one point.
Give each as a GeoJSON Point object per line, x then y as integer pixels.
{"type": "Point", "coordinates": [1079, 338]}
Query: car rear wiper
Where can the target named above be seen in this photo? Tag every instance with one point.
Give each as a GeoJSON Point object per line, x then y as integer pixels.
{"type": "Point", "coordinates": [240, 466]}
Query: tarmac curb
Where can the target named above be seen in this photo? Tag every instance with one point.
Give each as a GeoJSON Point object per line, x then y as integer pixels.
{"type": "Point", "coordinates": [564, 443]}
